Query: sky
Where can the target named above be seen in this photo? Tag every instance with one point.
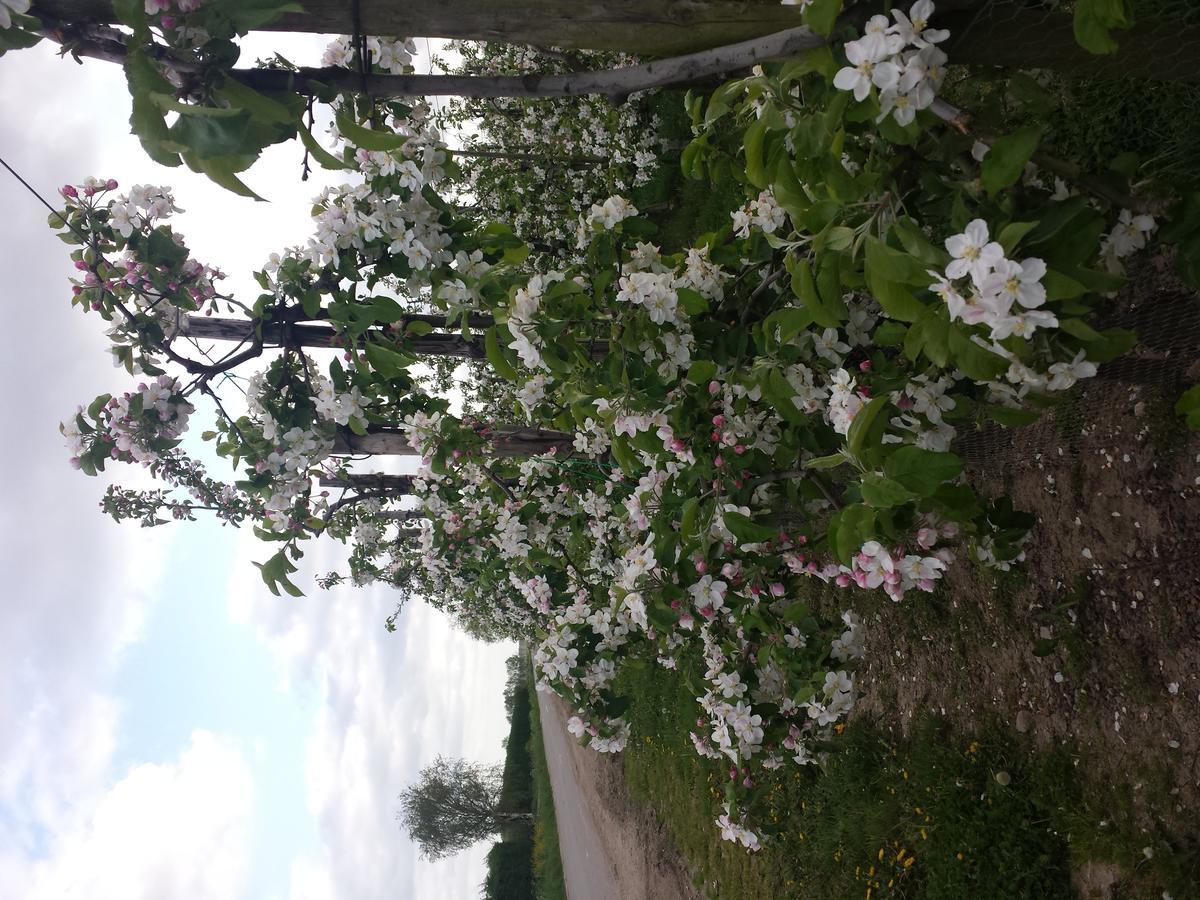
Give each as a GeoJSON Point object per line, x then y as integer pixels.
{"type": "Point", "coordinates": [168, 728]}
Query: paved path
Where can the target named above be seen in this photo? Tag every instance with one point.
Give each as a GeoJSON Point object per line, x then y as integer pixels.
{"type": "Point", "coordinates": [589, 873]}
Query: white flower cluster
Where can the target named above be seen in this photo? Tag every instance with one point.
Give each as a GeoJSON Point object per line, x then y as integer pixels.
{"type": "Point", "coordinates": [898, 58]}
{"type": "Point", "coordinates": [602, 217]}
{"type": "Point", "coordinates": [390, 208]}
{"type": "Point", "coordinates": [142, 206]}
{"type": "Point", "coordinates": [763, 212]}
{"type": "Point", "coordinates": [1002, 293]}
{"type": "Point", "coordinates": [297, 450]}
{"type": "Point", "coordinates": [422, 431]}
{"type": "Point", "coordinates": [133, 423]}
{"type": "Point", "coordinates": [8, 7]}
{"type": "Point", "coordinates": [1127, 237]}
{"type": "Point", "coordinates": [736, 832]}
{"type": "Point", "coordinates": [393, 55]}
{"type": "Point", "coordinates": [544, 160]}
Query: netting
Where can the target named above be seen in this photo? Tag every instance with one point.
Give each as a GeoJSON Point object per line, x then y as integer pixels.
{"type": "Point", "coordinates": [1165, 316]}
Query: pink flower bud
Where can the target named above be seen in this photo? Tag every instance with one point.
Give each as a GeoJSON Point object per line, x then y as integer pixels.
{"type": "Point", "coordinates": [701, 566]}
{"type": "Point", "coordinates": [678, 445]}
{"type": "Point", "coordinates": [111, 184]}
{"type": "Point", "coordinates": [777, 589]}
{"type": "Point", "coordinates": [864, 366]}
{"type": "Point", "coordinates": [168, 21]}
{"type": "Point", "coordinates": [718, 462]}
{"type": "Point", "coordinates": [739, 449]}
{"type": "Point", "coordinates": [675, 603]}
{"type": "Point", "coordinates": [707, 612]}
{"type": "Point", "coordinates": [81, 265]}
{"type": "Point", "coordinates": [905, 402]}
{"type": "Point", "coordinates": [718, 420]}
{"type": "Point", "coordinates": [714, 387]}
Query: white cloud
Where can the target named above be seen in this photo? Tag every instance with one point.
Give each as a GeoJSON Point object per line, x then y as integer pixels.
{"type": "Point", "coordinates": [176, 831]}
{"type": "Point", "coordinates": [388, 704]}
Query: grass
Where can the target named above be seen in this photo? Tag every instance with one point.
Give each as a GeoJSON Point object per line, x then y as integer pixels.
{"type": "Point", "coordinates": [937, 815]}
{"type": "Point", "coordinates": [547, 859]}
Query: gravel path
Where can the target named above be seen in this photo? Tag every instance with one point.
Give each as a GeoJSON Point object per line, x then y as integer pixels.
{"type": "Point", "coordinates": [611, 850]}
{"type": "Point", "coordinates": [589, 873]}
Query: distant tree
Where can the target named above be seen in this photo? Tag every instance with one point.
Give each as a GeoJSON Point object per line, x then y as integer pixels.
{"type": "Point", "coordinates": [454, 804]}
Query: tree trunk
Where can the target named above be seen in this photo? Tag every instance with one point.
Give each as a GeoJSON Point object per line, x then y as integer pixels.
{"type": "Point", "coordinates": [507, 441]}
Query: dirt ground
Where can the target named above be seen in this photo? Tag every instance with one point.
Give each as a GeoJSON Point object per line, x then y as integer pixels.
{"type": "Point", "coordinates": [1096, 637]}
{"type": "Point", "coordinates": [646, 864]}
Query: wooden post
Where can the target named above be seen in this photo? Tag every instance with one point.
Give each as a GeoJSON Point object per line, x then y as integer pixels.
{"type": "Point", "coordinates": [506, 441]}
{"type": "Point", "coordinates": [296, 334]}
{"type": "Point", "coordinates": [643, 27]}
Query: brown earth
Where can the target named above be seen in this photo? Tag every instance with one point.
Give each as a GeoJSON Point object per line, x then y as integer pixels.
{"type": "Point", "coordinates": [1095, 639]}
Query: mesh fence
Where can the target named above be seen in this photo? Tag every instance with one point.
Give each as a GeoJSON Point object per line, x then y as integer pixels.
{"type": "Point", "coordinates": [1165, 316]}
{"type": "Point", "coordinates": [1162, 44]}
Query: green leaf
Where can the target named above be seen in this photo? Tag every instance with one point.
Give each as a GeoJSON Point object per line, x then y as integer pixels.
{"type": "Point", "coordinates": [1011, 234]}
{"type": "Point", "coordinates": [1059, 287]}
{"type": "Point", "coordinates": [687, 518]}
{"type": "Point", "coordinates": [1188, 406]}
{"type": "Point", "coordinates": [326, 159]}
{"type": "Point", "coordinates": [385, 361]}
{"type": "Point", "coordinates": [862, 423]}
{"type": "Point", "coordinates": [821, 15]}
{"type": "Point", "coordinates": [1012, 418]}
{"type": "Point", "coordinates": [1006, 160]}
{"type": "Point", "coordinates": [882, 492]}
{"type": "Point", "coordinates": [220, 170]}
{"type": "Point", "coordinates": [418, 328]}
{"type": "Point", "coordinates": [275, 573]}
{"type": "Point", "coordinates": [1080, 329]}
{"type": "Point", "coordinates": [780, 392]}
{"type": "Point", "coordinates": [1093, 21]}
{"type": "Point", "coordinates": [832, 461]}
{"type": "Point", "coordinates": [496, 356]}
{"type": "Point", "coordinates": [753, 145]}
{"type": "Point", "coordinates": [805, 287]}
{"type": "Point", "coordinates": [693, 302]}
{"type": "Point", "coordinates": [920, 470]}
{"type": "Point", "coordinates": [208, 136]}
{"type": "Point", "coordinates": [259, 105]}
{"type": "Point", "coordinates": [979, 363]}
{"type": "Point", "coordinates": [701, 371]}
{"type": "Point", "coordinates": [747, 531]}
{"type": "Point", "coordinates": [367, 138]}
{"type": "Point", "coordinates": [849, 529]}
{"type": "Point", "coordinates": [167, 103]}
{"type": "Point", "coordinates": [250, 15]}
{"type": "Point", "coordinates": [723, 98]}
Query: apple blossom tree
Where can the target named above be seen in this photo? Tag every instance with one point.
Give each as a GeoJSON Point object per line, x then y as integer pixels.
{"type": "Point", "coordinates": [698, 440]}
